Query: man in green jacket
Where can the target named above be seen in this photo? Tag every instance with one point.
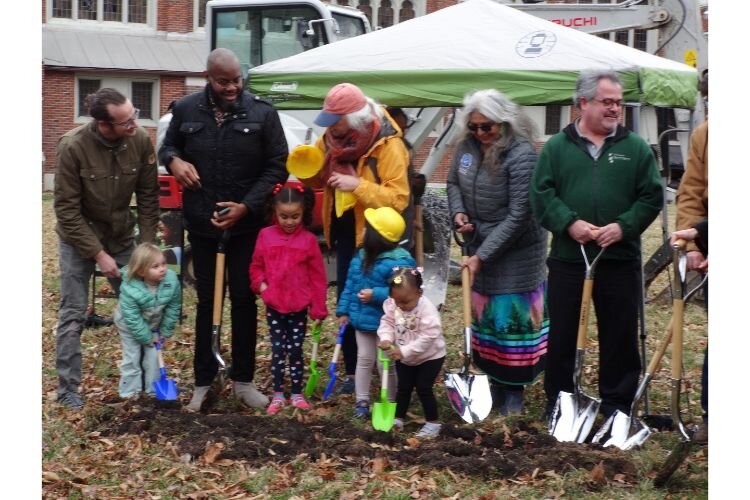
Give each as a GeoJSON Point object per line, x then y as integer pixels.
{"type": "Point", "coordinates": [100, 165]}
{"type": "Point", "coordinates": [596, 184]}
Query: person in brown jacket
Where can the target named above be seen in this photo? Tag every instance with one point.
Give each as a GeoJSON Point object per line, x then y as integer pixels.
{"type": "Point", "coordinates": [692, 208]}
{"type": "Point", "coordinates": [100, 165]}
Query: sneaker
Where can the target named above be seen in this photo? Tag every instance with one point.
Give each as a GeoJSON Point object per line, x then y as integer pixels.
{"type": "Point", "coordinates": [299, 401]}
{"type": "Point", "coordinates": [701, 435]}
{"type": "Point", "coordinates": [348, 386]}
{"type": "Point", "coordinates": [513, 403]}
{"type": "Point", "coordinates": [250, 395]}
{"type": "Point", "coordinates": [199, 397]}
{"type": "Point", "coordinates": [362, 410]}
{"type": "Point", "coordinates": [398, 424]}
{"type": "Point", "coordinates": [429, 430]}
{"type": "Point", "coordinates": [72, 400]}
{"type": "Point", "coordinates": [277, 403]}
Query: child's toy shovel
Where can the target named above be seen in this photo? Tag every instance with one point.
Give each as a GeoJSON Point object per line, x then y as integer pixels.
{"type": "Point", "coordinates": [383, 412]}
{"type": "Point", "coordinates": [334, 360]}
{"type": "Point", "coordinates": [165, 389]}
{"type": "Point", "coordinates": [312, 381]}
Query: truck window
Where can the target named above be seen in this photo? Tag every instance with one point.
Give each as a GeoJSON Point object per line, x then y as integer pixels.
{"type": "Point", "coordinates": [259, 36]}
{"type": "Point", "coordinates": [349, 26]}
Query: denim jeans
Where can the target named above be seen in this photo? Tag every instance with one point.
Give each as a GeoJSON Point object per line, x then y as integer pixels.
{"type": "Point", "coordinates": [75, 275]}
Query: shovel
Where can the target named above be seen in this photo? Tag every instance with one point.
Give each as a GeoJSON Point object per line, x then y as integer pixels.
{"type": "Point", "coordinates": [219, 304]}
{"type": "Point", "coordinates": [418, 188]}
{"type": "Point", "coordinates": [165, 388]}
{"type": "Point", "coordinates": [334, 360]}
{"type": "Point", "coordinates": [383, 412]}
{"type": "Point", "coordinates": [574, 414]}
{"type": "Point", "coordinates": [468, 393]}
{"type": "Point", "coordinates": [628, 431]}
{"type": "Point", "coordinates": [312, 381]}
{"type": "Point", "coordinates": [678, 455]}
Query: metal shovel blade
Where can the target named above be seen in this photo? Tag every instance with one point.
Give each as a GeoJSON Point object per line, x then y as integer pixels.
{"type": "Point", "coordinates": [625, 432]}
{"type": "Point", "coordinates": [469, 395]}
{"type": "Point", "coordinates": [573, 416]}
{"type": "Point", "coordinates": [383, 412]}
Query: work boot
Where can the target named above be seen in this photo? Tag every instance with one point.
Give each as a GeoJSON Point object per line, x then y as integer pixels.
{"type": "Point", "coordinates": [250, 395]}
{"type": "Point", "coordinates": [199, 397]}
{"type": "Point", "coordinates": [701, 435]}
{"type": "Point", "coordinates": [72, 400]}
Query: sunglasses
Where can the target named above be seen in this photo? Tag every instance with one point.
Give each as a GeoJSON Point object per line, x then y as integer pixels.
{"type": "Point", "coordinates": [484, 127]}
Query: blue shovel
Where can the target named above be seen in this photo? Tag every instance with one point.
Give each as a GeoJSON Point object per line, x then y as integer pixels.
{"type": "Point", "coordinates": [332, 366]}
{"type": "Point", "coordinates": [165, 389]}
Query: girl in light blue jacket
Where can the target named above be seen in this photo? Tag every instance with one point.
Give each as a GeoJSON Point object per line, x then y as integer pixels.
{"type": "Point", "coordinates": [149, 306]}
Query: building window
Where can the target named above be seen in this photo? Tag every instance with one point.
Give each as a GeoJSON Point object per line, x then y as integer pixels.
{"type": "Point", "coordinates": [385, 14]}
{"type": "Point", "coordinates": [119, 11]}
{"type": "Point", "coordinates": [406, 12]}
{"type": "Point", "coordinates": [142, 92]}
{"type": "Point", "coordinates": [640, 39]}
{"type": "Point", "coordinates": [364, 6]}
{"type": "Point", "coordinates": [142, 97]}
{"type": "Point", "coordinates": [86, 87]}
{"type": "Point", "coordinates": [552, 119]}
{"type": "Point", "coordinates": [62, 8]}
{"type": "Point", "coordinates": [621, 37]}
{"type": "Point", "coordinates": [202, 13]}
{"type": "Point", "coordinates": [343, 2]}
{"type": "Point", "coordinates": [604, 35]}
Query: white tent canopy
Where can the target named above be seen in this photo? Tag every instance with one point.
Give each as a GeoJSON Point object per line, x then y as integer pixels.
{"type": "Point", "coordinates": [434, 60]}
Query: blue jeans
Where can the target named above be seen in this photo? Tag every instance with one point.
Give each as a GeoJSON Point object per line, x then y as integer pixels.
{"type": "Point", "coordinates": [139, 367]}
{"type": "Point", "coordinates": [75, 275]}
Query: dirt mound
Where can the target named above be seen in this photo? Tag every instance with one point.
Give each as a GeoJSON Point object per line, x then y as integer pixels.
{"type": "Point", "coordinates": [260, 439]}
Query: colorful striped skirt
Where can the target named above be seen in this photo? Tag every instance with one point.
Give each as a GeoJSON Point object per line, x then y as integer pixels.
{"type": "Point", "coordinates": [509, 335]}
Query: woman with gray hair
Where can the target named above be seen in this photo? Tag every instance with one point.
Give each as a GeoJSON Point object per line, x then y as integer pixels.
{"type": "Point", "coordinates": [488, 186]}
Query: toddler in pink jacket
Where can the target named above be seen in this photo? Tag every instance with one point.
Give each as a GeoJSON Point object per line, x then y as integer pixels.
{"type": "Point", "coordinates": [288, 274]}
{"type": "Point", "coordinates": [411, 334]}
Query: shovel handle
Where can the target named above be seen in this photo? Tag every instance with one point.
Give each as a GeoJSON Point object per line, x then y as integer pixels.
{"type": "Point", "coordinates": [418, 236]}
{"type": "Point", "coordinates": [218, 288]}
{"type": "Point", "coordinates": [159, 357]}
{"type": "Point", "coordinates": [466, 290]}
{"type": "Point", "coordinates": [583, 319]}
{"type": "Point", "coordinates": [386, 362]}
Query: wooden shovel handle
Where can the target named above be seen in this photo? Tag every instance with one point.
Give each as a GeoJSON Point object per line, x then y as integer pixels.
{"type": "Point", "coordinates": [583, 319]}
{"type": "Point", "coordinates": [218, 288]}
{"type": "Point", "coordinates": [659, 353]}
{"type": "Point", "coordinates": [418, 237]}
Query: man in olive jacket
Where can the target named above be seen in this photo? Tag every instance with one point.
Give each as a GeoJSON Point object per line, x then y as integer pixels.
{"type": "Point", "coordinates": [227, 148]}
{"type": "Point", "coordinates": [100, 165]}
{"type": "Point", "coordinates": [596, 184]}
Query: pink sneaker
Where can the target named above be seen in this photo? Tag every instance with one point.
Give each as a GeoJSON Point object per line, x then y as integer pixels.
{"type": "Point", "coordinates": [277, 403]}
{"type": "Point", "coordinates": [299, 401]}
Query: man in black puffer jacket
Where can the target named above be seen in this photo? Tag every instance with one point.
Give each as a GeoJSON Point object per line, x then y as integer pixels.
{"type": "Point", "coordinates": [227, 149]}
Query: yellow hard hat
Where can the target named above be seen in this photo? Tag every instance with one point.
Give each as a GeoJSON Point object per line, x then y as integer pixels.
{"type": "Point", "coordinates": [387, 222]}
{"type": "Point", "coordinates": [343, 201]}
{"type": "Point", "coordinates": [305, 161]}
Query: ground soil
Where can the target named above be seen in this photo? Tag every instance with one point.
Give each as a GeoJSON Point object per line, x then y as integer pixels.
{"type": "Point", "coordinates": [259, 439]}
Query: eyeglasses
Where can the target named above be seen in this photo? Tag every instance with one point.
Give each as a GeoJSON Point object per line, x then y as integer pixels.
{"type": "Point", "coordinates": [224, 83]}
{"type": "Point", "coordinates": [608, 103]}
{"type": "Point", "coordinates": [484, 127]}
{"type": "Point", "coordinates": [130, 122]}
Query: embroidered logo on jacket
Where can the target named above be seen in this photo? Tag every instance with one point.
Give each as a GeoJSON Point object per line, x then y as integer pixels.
{"type": "Point", "coordinates": [465, 163]}
{"type": "Point", "coordinates": [613, 157]}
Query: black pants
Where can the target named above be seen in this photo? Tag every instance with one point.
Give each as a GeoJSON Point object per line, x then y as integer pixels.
{"type": "Point", "coordinates": [704, 372]}
{"type": "Point", "coordinates": [287, 335]}
{"type": "Point", "coordinates": [616, 296]}
{"type": "Point", "coordinates": [343, 238]}
{"type": "Point", "coordinates": [422, 378]}
{"type": "Point", "coordinates": [244, 312]}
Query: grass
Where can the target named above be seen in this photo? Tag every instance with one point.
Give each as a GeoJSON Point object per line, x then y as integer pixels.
{"type": "Point", "coordinates": [78, 463]}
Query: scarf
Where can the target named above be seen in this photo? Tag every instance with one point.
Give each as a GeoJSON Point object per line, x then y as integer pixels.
{"type": "Point", "coordinates": [342, 153]}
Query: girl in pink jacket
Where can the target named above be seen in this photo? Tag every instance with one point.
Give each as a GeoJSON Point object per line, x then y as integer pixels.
{"type": "Point", "coordinates": [288, 274]}
{"type": "Point", "coordinates": [411, 334]}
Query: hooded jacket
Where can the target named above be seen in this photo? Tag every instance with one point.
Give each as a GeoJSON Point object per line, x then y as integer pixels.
{"type": "Point", "coordinates": [240, 161]}
{"type": "Point", "coordinates": [621, 186]}
{"type": "Point", "coordinates": [140, 309]}
{"type": "Point", "coordinates": [393, 190]}
{"type": "Point", "coordinates": [292, 267]}
{"type": "Point", "coordinates": [365, 317]}
{"type": "Point", "coordinates": [417, 333]}
{"type": "Point", "coordinates": [94, 185]}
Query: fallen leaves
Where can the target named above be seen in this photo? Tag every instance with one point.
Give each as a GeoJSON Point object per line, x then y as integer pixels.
{"type": "Point", "coordinates": [212, 452]}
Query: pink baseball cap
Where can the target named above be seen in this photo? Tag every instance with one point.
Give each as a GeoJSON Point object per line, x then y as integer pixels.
{"type": "Point", "coordinates": [341, 100]}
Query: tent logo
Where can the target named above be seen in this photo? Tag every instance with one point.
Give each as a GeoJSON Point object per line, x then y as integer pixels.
{"type": "Point", "coordinates": [283, 86]}
{"type": "Point", "coordinates": [536, 44]}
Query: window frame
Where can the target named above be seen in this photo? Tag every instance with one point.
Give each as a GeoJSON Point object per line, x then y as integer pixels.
{"type": "Point", "coordinates": [125, 85]}
{"type": "Point", "coordinates": [99, 21]}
